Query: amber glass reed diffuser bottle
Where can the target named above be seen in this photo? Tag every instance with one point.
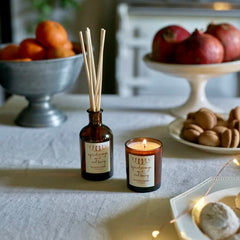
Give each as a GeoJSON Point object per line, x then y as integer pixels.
{"type": "Point", "coordinates": [96, 148]}
{"type": "Point", "coordinates": [96, 139]}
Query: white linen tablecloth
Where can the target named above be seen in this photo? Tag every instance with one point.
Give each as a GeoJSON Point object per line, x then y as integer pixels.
{"type": "Point", "coordinates": [42, 193]}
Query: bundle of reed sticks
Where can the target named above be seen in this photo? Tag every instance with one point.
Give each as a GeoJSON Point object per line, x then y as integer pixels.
{"type": "Point", "coordinates": [94, 78]}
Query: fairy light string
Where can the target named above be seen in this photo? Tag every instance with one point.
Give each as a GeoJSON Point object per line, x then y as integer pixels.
{"type": "Point", "coordinates": [156, 233]}
{"type": "Point", "coordinates": [215, 179]}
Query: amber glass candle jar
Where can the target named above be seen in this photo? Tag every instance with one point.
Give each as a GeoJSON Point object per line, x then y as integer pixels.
{"type": "Point", "coordinates": [143, 164]}
{"type": "Point", "coordinates": [96, 145]}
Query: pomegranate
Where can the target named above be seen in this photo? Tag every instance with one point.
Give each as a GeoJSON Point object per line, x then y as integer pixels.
{"type": "Point", "coordinates": [165, 40]}
{"type": "Point", "coordinates": [199, 48]}
{"type": "Point", "coordinates": [229, 36]}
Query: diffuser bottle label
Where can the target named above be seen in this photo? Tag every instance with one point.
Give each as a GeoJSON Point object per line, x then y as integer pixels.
{"type": "Point", "coordinates": [141, 170]}
{"type": "Point", "coordinates": [97, 157]}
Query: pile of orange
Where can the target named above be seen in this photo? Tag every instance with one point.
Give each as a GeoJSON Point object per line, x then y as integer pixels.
{"type": "Point", "coordinates": [51, 41]}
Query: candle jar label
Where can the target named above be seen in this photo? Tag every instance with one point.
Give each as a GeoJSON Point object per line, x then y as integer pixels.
{"type": "Point", "coordinates": [141, 170]}
{"type": "Point", "coordinates": [97, 157]}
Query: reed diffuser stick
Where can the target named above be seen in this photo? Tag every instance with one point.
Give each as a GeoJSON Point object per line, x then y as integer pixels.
{"type": "Point", "coordinates": [91, 67]}
{"type": "Point", "coordinates": [86, 69]}
{"type": "Point", "coordinates": [92, 59]}
{"type": "Point", "coordinates": [94, 81]}
{"type": "Point", "coordinates": [100, 68]}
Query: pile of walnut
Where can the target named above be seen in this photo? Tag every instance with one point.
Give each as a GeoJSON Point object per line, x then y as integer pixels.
{"type": "Point", "coordinates": [208, 128]}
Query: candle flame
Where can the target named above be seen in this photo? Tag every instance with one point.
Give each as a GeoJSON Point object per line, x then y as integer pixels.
{"type": "Point", "coordinates": [155, 233]}
{"type": "Point", "coordinates": [236, 162]}
{"type": "Point", "coordinates": [144, 143]}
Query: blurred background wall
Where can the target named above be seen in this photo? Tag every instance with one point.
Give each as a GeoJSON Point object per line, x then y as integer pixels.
{"type": "Point", "coordinates": [94, 14]}
{"type": "Point", "coordinates": [140, 28]}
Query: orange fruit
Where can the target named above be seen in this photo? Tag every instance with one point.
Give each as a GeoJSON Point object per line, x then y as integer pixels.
{"type": "Point", "coordinates": [51, 34]}
{"type": "Point", "coordinates": [68, 45]}
{"type": "Point", "coordinates": [30, 48]}
{"type": "Point", "coordinates": [9, 52]}
{"type": "Point", "coordinates": [59, 53]}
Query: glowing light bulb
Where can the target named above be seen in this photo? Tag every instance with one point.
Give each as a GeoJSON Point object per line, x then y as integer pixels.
{"type": "Point", "coordinates": [200, 203]}
{"type": "Point", "coordinates": [155, 233]}
{"type": "Point", "coordinates": [183, 235]}
{"type": "Point", "coordinates": [235, 161]}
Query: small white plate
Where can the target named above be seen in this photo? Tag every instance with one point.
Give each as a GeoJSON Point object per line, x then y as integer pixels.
{"type": "Point", "coordinates": [175, 128]}
{"type": "Point", "coordinates": [185, 224]}
{"type": "Point", "coordinates": [226, 196]}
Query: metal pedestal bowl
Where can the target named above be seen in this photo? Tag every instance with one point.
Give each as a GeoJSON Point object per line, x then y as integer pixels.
{"type": "Point", "coordinates": [38, 81]}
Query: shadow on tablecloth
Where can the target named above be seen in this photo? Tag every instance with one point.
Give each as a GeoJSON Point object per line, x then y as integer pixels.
{"type": "Point", "coordinates": [138, 222]}
{"type": "Point", "coordinates": [57, 179]}
{"type": "Point", "coordinates": [8, 119]}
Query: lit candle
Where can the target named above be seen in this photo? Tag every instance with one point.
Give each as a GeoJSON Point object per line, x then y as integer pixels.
{"type": "Point", "coordinates": [144, 145]}
{"type": "Point", "coordinates": [144, 164]}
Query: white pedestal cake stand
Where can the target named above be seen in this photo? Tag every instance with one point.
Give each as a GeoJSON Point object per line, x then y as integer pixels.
{"type": "Point", "coordinates": [197, 75]}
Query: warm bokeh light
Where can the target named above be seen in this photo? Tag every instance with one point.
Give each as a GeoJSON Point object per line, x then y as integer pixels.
{"type": "Point", "coordinates": [155, 233]}
{"type": "Point", "coordinates": [183, 235]}
{"type": "Point", "coordinates": [235, 161]}
{"type": "Point", "coordinates": [200, 204]}
{"type": "Point", "coordinates": [221, 6]}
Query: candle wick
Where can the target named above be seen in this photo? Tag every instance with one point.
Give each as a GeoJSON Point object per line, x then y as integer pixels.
{"type": "Point", "coordinates": [144, 143]}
